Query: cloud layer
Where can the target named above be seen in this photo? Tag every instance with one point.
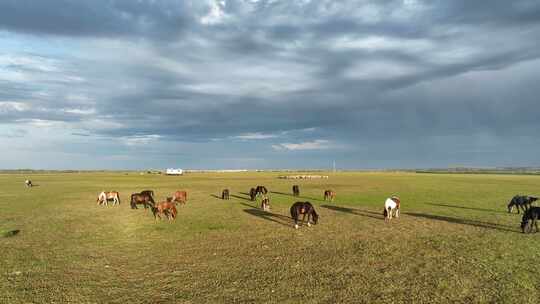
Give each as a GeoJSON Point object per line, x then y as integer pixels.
{"type": "Point", "coordinates": [269, 83]}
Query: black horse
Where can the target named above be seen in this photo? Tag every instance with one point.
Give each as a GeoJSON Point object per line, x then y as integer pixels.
{"type": "Point", "coordinates": [303, 208]}
{"type": "Point", "coordinates": [252, 194]}
{"type": "Point", "coordinates": [144, 199]}
{"type": "Point", "coordinates": [522, 202]}
{"type": "Point", "coordinates": [225, 194]}
{"type": "Point", "coordinates": [296, 190]}
{"type": "Point", "coordinates": [530, 219]}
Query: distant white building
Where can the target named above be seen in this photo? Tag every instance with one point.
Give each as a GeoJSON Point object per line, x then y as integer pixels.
{"type": "Point", "coordinates": [171, 171]}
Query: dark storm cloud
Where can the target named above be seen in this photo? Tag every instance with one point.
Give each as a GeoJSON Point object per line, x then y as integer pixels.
{"type": "Point", "coordinates": [353, 72]}
{"type": "Point", "coordinates": [94, 18]}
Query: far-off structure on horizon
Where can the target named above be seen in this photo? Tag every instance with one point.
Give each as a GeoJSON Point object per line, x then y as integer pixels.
{"type": "Point", "coordinates": [172, 171]}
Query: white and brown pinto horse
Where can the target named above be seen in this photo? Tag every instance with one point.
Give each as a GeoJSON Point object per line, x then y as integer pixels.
{"type": "Point", "coordinates": [391, 207]}
{"type": "Point", "coordinates": [105, 197]}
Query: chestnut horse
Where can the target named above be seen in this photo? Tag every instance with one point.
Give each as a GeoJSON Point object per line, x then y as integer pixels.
{"type": "Point", "coordinates": [329, 195]}
{"type": "Point", "coordinates": [391, 208]}
{"type": "Point", "coordinates": [180, 197]}
{"type": "Point", "coordinates": [104, 198]}
{"type": "Point", "coordinates": [167, 209]}
{"type": "Point", "coordinates": [303, 208]}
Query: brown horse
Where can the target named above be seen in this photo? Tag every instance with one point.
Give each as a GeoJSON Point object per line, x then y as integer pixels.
{"type": "Point", "coordinates": [225, 194]}
{"type": "Point", "coordinates": [142, 199]}
{"type": "Point", "coordinates": [104, 198]}
{"type": "Point", "coordinates": [329, 195]}
{"type": "Point", "coordinates": [296, 190]}
{"type": "Point", "coordinates": [303, 208]}
{"type": "Point", "coordinates": [167, 209]}
{"type": "Point", "coordinates": [180, 197]}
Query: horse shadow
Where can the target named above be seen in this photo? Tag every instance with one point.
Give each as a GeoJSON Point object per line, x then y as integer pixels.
{"type": "Point", "coordinates": [468, 222]}
{"type": "Point", "coordinates": [215, 196]}
{"type": "Point", "coordinates": [300, 196]}
{"type": "Point", "coordinates": [366, 213]}
{"type": "Point", "coordinates": [468, 208]}
{"type": "Point", "coordinates": [240, 197]}
{"type": "Point", "coordinates": [269, 216]}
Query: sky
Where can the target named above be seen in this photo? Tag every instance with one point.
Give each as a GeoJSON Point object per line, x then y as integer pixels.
{"type": "Point", "coordinates": [269, 84]}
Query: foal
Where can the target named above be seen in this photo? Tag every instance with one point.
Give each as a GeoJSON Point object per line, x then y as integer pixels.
{"type": "Point", "coordinates": [167, 208]}
{"type": "Point", "coordinates": [391, 206]}
{"type": "Point", "coordinates": [303, 208]}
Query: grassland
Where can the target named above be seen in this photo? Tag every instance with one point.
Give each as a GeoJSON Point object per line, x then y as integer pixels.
{"type": "Point", "coordinates": [454, 242]}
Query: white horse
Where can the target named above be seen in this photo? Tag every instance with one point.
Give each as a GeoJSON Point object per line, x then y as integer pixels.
{"type": "Point", "coordinates": [105, 197]}
{"type": "Point", "coordinates": [28, 183]}
{"type": "Point", "coordinates": [391, 207]}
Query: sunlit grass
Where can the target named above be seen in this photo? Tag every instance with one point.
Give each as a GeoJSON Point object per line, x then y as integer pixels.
{"type": "Point", "coordinates": [454, 242]}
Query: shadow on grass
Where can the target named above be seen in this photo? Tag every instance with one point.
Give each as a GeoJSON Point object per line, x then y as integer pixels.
{"type": "Point", "coordinates": [300, 196]}
{"type": "Point", "coordinates": [269, 216]}
{"type": "Point", "coordinates": [10, 233]}
{"type": "Point", "coordinates": [240, 197]}
{"type": "Point", "coordinates": [215, 196]}
{"type": "Point", "coordinates": [462, 221]}
{"type": "Point", "coordinates": [365, 213]}
{"type": "Point", "coordinates": [468, 208]}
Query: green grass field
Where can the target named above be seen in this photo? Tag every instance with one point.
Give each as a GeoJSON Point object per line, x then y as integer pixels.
{"type": "Point", "coordinates": [454, 242]}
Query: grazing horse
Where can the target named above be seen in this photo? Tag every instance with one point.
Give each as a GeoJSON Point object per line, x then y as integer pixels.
{"type": "Point", "coordinates": [144, 199]}
{"type": "Point", "coordinates": [265, 203]}
{"type": "Point", "coordinates": [261, 190]}
{"type": "Point", "coordinates": [530, 219]}
{"type": "Point", "coordinates": [391, 208]}
{"type": "Point", "coordinates": [329, 195]}
{"type": "Point", "coordinates": [28, 183]}
{"type": "Point", "coordinates": [180, 197]}
{"type": "Point", "coordinates": [225, 194]}
{"type": "Point", "coordinates": [104, 198]}
{"type": "Point", "coordinates": [521, 201]}
{"type": "Point", "coordinates": [167, 209]}
{"type": "Point", "coordinates": [252, 194]}
{"type": "Point", "coordinates": [303, 208]}
{"type": "Point", "coordinates": [296, 190]}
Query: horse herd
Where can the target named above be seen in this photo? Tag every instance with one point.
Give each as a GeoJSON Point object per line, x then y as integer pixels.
{"type": "Point", "coordinates": [168, 209]}
{"type": "Point", "coordinates": [391, 205]}
{"type": "Point", "coordinates": [145, 198]}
